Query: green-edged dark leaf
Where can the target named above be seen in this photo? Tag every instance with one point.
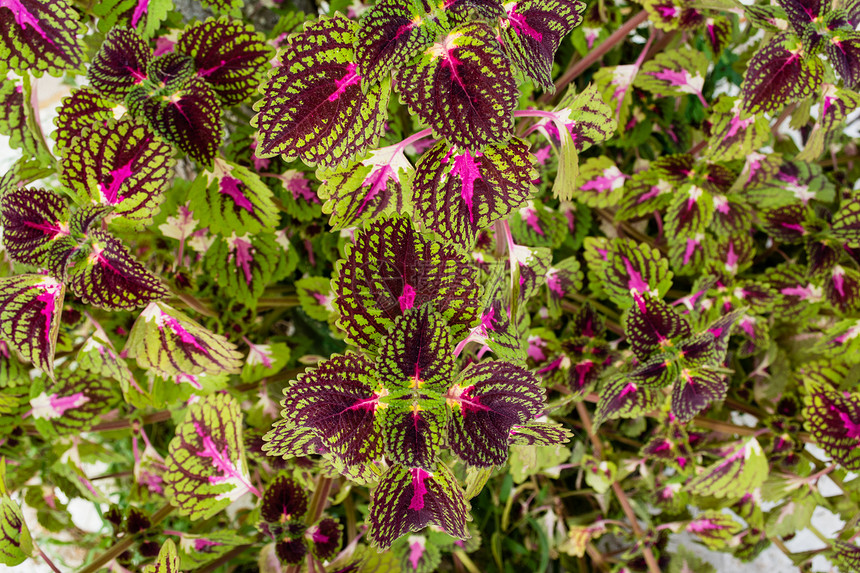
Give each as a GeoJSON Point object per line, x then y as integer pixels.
{"type": "Point", "coordinates": [416, 355]}
{"type": "Point", "coordinates": [778, 74]}
{"type": "Point", "coordinates": [538, 434]}
{"type": "Point", "coordinates": [487, 402]}
{"type": "Point", "coordinates": [562, 278]}
{"type": "Point", "coordinates": [690, 213]}
{"type": "Point", "coordinates": [836, 105]}
{"type": "Point", "coordinates": [735, 133]}
{"type": "Point", "coordinates": [13, 120]}
{"type": "Point", "coordinates": [40, 36]}
{"type": "Point", "coordinates": [392, 33]}
{"type": "Point", "coordinates": [585, 116]}
{"type": "Point", "coordinates": [714, 528]}
{"type": "Point", "coordinates": [801, 13]}
{"type": "Point", "coordinates": [459, 193]}
{"type": "Point", "coordinates": [793, 182]}
{"type": "Point", "coordinates": [82, 108]}
{"type": "Point", "coordinates": [367, 189]}
{"type": "Point", "coordinates": [833, 419]}
{"type": "Point", "coordinates": [845, 555]}
{"type": "Point", "coordinates": [325, 538]}
{"type": "Point", "coordinates": [600, 182]}
{"type": "Point", "coordinates": [846, 222]}
{"type": "Point", "coordinates": [766, 17]}
{"type": "Point", "coordinates": [463, 87]}
{"type": "Point", "coordinates": [313, 106]}
{"type": "Point", "coordinates": [228, 54]}
{"type": "Point", "coordinates": [651, 324]}
{"type": "Point", "coordinates": [620, 397]}
{"type": "Point", "coordinates": [169, 73]}
{"type": "Point", "coordinates": [223, 6]}
{"type": "Point", "coordinates": [534, 30]}
{"type": "Point", "coordinates": [843, 50]}
{"type": "Point", "coordinates": [33, 220]}
{"type": "Point", "coordinates": [206, 467]}
{"type": "Point", "coordinates": [391, 268]}
{"type": "Point", "coordinates": [121, 164]}
{"type": "Point", "coordinates": [738, 472]}
{"type": "Point", "coordinates": [798, 296]}
{"type": "Point", "coordinates": [110, 278]}
{"type": "Point", "coordinates": [145, 15]}
{"type": "Point", "coordinates": [120, 64]}
{"type": "Point", "coordinates": [233, 199]}
{"type": "Point", "coordinates": [670, 15]}
{"type": "Point", "coordinates": [167, 560]}
{"type": "Point", "coordinates": [674, 72]}
{"type": "Point", "coordinates": [414, 430]}
{"type": "Point", "coordinates": [842, 288]}
{"type": "Point", "coordinates": [190, 118]}
{"type": "Point", "coordinates": [16, 544]}
{"type": "Point", "coordinates": [627, 268]}
{"type": "Point", "coordinates": [243, 266]}
{"type": "Point", "coordinates": [85, 217]}
{"type": "Point", "coordinates": [72, 404]}
{"type": "Point", "coordinates": [408, 500]}
{"type": "Point", "coordinates": [284, 500]}
{"type": "Point", "coordinates": [30, 308]}
{"type": "Point", "coordinates": [168, 342]}
{"type": "Point", "coordinates": [340, 400]}
{"type": "Point", "coordinates": [695, 390]}
{"type": "Point", "coordinates": [644, 193]}
{"type": "Point", "coordinates": [288, 440]}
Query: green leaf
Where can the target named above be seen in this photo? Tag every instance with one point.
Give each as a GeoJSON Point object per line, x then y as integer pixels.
{"type": "Point", "coordinates": [316, 297]}
{"type": "Point", "coordinates": [685, 561]}
{"type": "Point", "coordinates": [72, 404]}
{"type": "Point", "coordinates": [16, 545]}
{"type": "Point", "coordinates": [206, 466]}
{"type": "Point", "coordinates": [30, 308]}
{"type": "Point", "coordinates": [714, 528]}
{"type": "Point", "coordinates": [167, 561]}
{"type": "Point", "coordinates": [675, 72]}
{"type": "Point", "coordinates": [600, 183]}
{"type": "Point", "coordinates": [738, 473]}
{"type": "Point", "coordinates": [242, 266]}
{"type": "Point", "coordinates": [145, 15]}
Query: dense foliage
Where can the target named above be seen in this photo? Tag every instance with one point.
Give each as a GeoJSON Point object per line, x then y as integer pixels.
{"type": "Point", "coordinates": [407, 286]}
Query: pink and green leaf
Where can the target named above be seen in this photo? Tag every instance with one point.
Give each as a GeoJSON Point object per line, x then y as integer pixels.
{"type": "Point", "coordinates": [40, 36]}
{"type": "Point", "coordinates": [30, 308]}
{"type": "Point", "coordinates": [33, 221]}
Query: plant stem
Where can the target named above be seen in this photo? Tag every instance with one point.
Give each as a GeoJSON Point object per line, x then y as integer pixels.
{"type": "Point", "coordinates": [226, 558]}
{"type": "Point", "coordinates": [120, 546]}
{"type": "Point", "coordinates": [48, 561]}
{"type": "Point", "coordinates": [653, 566]}
{"type": "Point", "coordinates": [580, 66]}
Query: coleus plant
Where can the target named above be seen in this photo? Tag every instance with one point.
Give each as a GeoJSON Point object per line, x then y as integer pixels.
{"type": "Point", "coordinates": [569, 248]}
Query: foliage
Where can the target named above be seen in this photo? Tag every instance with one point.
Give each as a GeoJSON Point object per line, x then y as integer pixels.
{"type": "Point", "coordinates": [411, 286]}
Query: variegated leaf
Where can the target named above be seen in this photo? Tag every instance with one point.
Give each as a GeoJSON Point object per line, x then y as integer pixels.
{"type": "Point", "coordinates": [695, 390]}
{"type": "Point", "coordinates": [488, 401]}
{"type": "Point", "coordinates": [189, 118]}
{"type": "Point", "coordinates": [833, 419]}
{"type": "Point", "coordinates": [408, 500]}
{"type": "Point", "coordinates": [169, 342]}
{"type": "Point", "coordinates": [735, 133]}
{"type": "Point", "coordinates": [314, 106]}
{"type": "Point", "coordinates": [110, 278]}
{"type": "Point", "coordinates": [99, 356]}
{"type": "Point", "coordinates": [242, 266]}
{"type": "Point", "coordinates": [283, 501]}
{"type": "Point", "coordinates": [538, 434]}
{"type": "Point", "coordinates": [675, 72]}
{"type": "Point", "coordinates": [414, 430]}
{"type": "Point", "coordinates": [40, 36]}
{"type": "Point", "coordinates": [458, 193]}
{"type": "Point", "coordinates": [843, 50]}
{"type": "Point", "coordinates": [463, 87]}
{"type": "Point", "coordinates": [778, 74]}
{"type": "Point", "coordinates": [228, 54]}
{"type": "Point", "coordinates": [121, 164]}
{"type": "Point", "coordinates": [120, 64]}
{"type": "Point", "coordinates": [16, 544]}
{"type": "Point", "coordinates": [167, 560]}
{"type": "Point", "coordinates": [391, 268]}
{"type": "Point", "coordinates": [627, 268]}
{"type": "Point", "coordinates": [836, 105]}
{"type": "Point", "coordinates": [72, 404]}
{"type": "Point", "coordinates": [623, 398]}
{"type": "Point", "coordinates": [600, 182]}
{"type": "Point", "coordinates": [740, 471]}
{"type": "Point", "coordinates": [340, 400]}
{"type": "Point", "coordinates": [233, 199]}
{"type": "Point", "coordinates": [206, 467]}
{"type": "Point", "coordinates": [30, 307]}
{"type": "Point", "coordinates": [33, 221]}
{"type": "Point", "coordinates": [82, 108]}
{"type": "Point", "coordinates": [714, 528]}
{"type": "Point", "coordinates": [143, 15]}
{"type": "Point", "coordinates": [13, 120]}
{"type": "Point", "coordinates": [367, 189]}
{"type": "Point", "coordinates": [288, 440]}
{"type": "Point", "coordinates": [651, 325]}
{"type": "Point", "coordinates": [846, 222]}
{"type": "Point", "coordinates": [533, 31]}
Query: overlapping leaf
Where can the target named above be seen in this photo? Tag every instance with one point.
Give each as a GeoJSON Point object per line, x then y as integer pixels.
{"type": "Point", "coordinates": [33, 221]}
{"type": "Point", "coordinates": [600, 182]}
{"type": "Point", "coordinates": [534, 30]}
{"type": "Point", "coordinates": [833, 419]}
{"type": "Point", "coordinates": [121, 164]}
{"type": "Point", "coordinates": [206, 467]}
{"type": "Point", "coordinates": [623, 398]}
{"type": "Point", "coordinates": [228, 54]}
{"type": "Point", "coordinates": [391, 268]}
{"type": "Point", "coordinates": [734, 133]}
{"type": "Point", "coordinates": [143, 15]}
{"type": "Point", "coordinates": [314, 107]}
{"type": "Point", "coordinates": [30, 307]}
{"type": "Point", "coordinates": [167, 560]}
{"type": "Point", "coordinates": [778, 74]}
{"type": "Point", "coordinates": [120, 64]}
{"type": "Point", "coordinates": [462, 87]}
{"type": "Point", "coordinates": [695, 390]}
{"type": "Point", "coordinates": [82, 108]}
{"type": "Point", "coordinates": [458, 193]}
{"type": "Point", "coordinates": [73, 403]}
{"type": "Point", "coordinates": [675, 72]}
{"type": "Point", "coordinates": [739, 472]}
{"type": "Point", "coordinates": [408, 500]}
{"type": "Point", "coordinates": [627, 268]}
{"type": "Point", "coordinates": [169, 342]}
{"type": "Point", "coordinates": [40, 36]}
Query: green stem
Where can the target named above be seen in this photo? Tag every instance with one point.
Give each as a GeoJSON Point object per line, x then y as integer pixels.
{"type": "Point", "coordinates": [226, 558]}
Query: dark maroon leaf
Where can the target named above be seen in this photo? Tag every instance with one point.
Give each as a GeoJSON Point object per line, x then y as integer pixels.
{"type": "Point", "coordinates": [651, 325]}
{"type": "Point", "coordinates": [39, 36]}
{"type": "Point", "coordinates": [833, 419]}
{"type": "Point", "coordinates": [284, 500]}
{"type": "Point", "coordinates": [843, 288]}
{"type": "Point", "coordinates": [82, 108]}
{"type": "Point", "coordinates": [120, 64]}
{"type": "Point", "coordinates": [802, 13]}
{"type": "Point", "coordinates": [534, 30]}
{"type": "Point", "coordinates": [695, 390]}
{"type": "Point", "coordinates": [170, 72]}
{"type": "Point", "coordinates": [487, 401]}
{"type": "Point", "coordinates": [779, 74]}
{"type": "Point", "coordinates": [32, 220]}
{"type": "Point", "coordinates": [110, 278]}
{"type": "Point", "coordinates": [844, 52]}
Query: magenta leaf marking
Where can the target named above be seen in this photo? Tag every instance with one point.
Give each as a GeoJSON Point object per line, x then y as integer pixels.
{"type": "Point", "coordinates": [118, 177]}
{"type": "Point", "coordinates": [24, 18]}
{"type": "Point", "coordinates": [672, 77]}
{"type": "Point", "coordinates": [184, 336]}
{"type": "Point", "coordinates": [53, 406]}
{"type": "Point", "coordinates": [518, 22]}
{"type": "Point", "coordinates": [377, 180]}
{"type": "Point", "coordinates": [416, 552]}
{"type": "Point", "coordinates": [737, 124]}
{"type": "Point", "coordinates": [230, 186]}
{"type": "Point", "coordinates": [49, 298]}
{"type": "Point", "coordinates": [243, 256]}
{"type": "Point", "coordinates": [222, 463]}
{"type": "Point", "coordinates": [349, 79]}
{"type": "Point", "coordinates": [419, 489]}
{"type": "Point", "coordinates": [139, 10]}
{"type": "Point", "coordinates": [407, 299]}
{"type": "Point", "coordinates": [636, 283]}
{"type": "Point", "coordinates": [468, 171]}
